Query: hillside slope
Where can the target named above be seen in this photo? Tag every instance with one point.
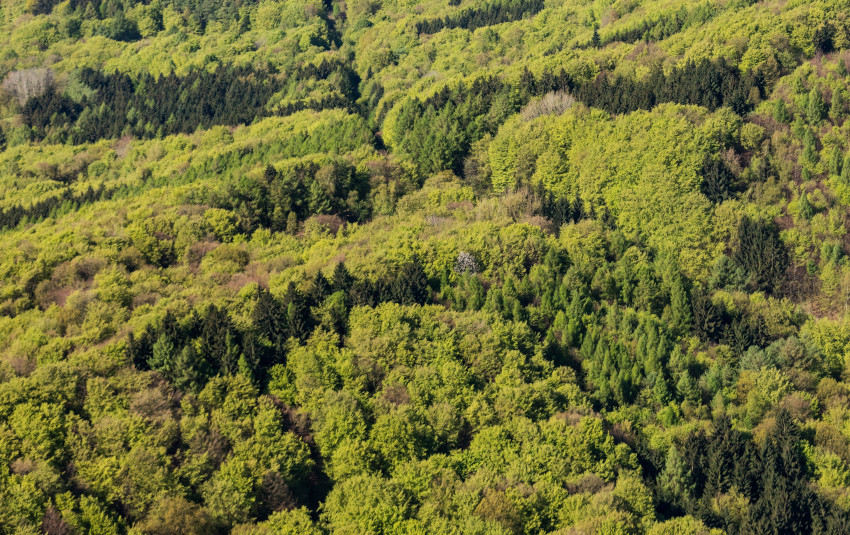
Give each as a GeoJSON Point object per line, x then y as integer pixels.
{"type": "Point", "coordinates": [468, 267]}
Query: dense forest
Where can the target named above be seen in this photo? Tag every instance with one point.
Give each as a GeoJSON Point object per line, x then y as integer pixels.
{"type": "Point", "coordinates": [491, 267]}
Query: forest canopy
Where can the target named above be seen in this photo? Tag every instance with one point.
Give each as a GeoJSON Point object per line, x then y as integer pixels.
{"type": "Point", "coordinates": [466, 267]}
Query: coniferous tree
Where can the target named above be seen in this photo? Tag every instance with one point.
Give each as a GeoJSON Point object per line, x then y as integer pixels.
{"type": "Point", "coordinates": [577, 212]}
{"type": "Point", "coordinates": [342, 278]}
{"type": "Point", "coordinates": [845, 169]}
{"type": "Point", "coordinates": [836, 161]}
{"type": "Point", "coordinates": [805, 207]}
{"type": "Point", "coordinates": [411, 285]}
{"type": "Point", "coordinates": [674, 483]}
{"type": "Point", "coordinates": [217, 339]}
{"type": "Point", "coordinates": [823, 38]}
{"type": "Point", "coordinates": [785, 501]}
{"type": "Point", "coordinates": [816, 107]}
{"type": "Point", "coordinates": [705, 315]}
{"type": "Point", "coordinates": [190, 371]}
{"type": "Point", "coordinates": [231, 354]}
{"type": "Point", "coordinates": [320, 289]}
{"type": "Point", "coordinates": [291, 223]}
{"type": "Point", "coordinates": [723, 453]}
{"type": "Point", "coordinates": [761, 252]}
{"type": "Point", "coordinates": [780, 112]}
{"type": "Point", "coordinates": [299, 321]}
{"type": "Point", "coordinates": [718, 182]}
{"type": "Point", "coordinates": [557, 209]}
{"type": "Point", "coordinates": [681, 315]}
{"type": "Point", "coordinates": [162, 355]}
{"type": "Point", "coordinates": [269, 318]}
{"type": "Point", "coordinates": [837, 107]}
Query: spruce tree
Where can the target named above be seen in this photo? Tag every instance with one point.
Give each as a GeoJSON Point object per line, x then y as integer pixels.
{"type": "Point", "coordinates": [761, 252]}
{"type": "Point", "coordinates": [718, 182]}
{"type": "Point", "coordinates": [780, 112]}
{"type": "Point", "coordinates": [845, 170]}
{"type": "Point", "coordinates": [190, 371]}
{"type": "Point", "coordinates": [816, 107]}
{"type": "Point", "coordinates": [342, 279]}
{"type": "Point", "coordinates": [785, 501]}
{"type": "Point", "coordinates": [299, 320]}
{"type": "Point", "coordinates": [267, 316]}
{"type": "Point", "coordinates": [681, 317]}
{"type": "Point", "coordinates": [836, 161]}
{"type": "Point", "coordinates": [319, 290]}
{"type": "Point", "coordinates": [836, 109]}
{"type": "Point", "coordinates": [807, 211]}
{"type": "Point", "coordinates": [411, 285]}
{"type": "Point", "coordinates": [721, 457]}
{"type": "Point", "coordinates": [674, 483]}
{"type": "Point", "coordinates": [162, 356]}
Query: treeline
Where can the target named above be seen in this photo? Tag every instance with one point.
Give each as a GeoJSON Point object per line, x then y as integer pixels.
{"type": "Point", "coordinates": [213, 10]}
{"type": "Point", "coordinates": [202, 345]}
{"type": "Point", "coordinates": [488, 15]}
{"type": "Point", "coordinates": [438, 131]}
{"type": "Point", "coordinates": [64, 203]}
{"type": "Point", "coordinates": [95, 8]}
{"type": "Point", "coordinates": [117, 104]}
{"type": "Point", "coordinates": [663, 26]}
{"type": "Point", "coordinates": [710, 84]}
{"type": "Point", "coordinates": [202, 10]}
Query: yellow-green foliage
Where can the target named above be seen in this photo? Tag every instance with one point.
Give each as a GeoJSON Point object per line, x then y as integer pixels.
{"type": "Point", "coordinates": [643, 166]}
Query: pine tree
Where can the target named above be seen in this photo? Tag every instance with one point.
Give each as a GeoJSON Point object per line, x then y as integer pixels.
{"type": "Point", "coordinates": [674, 483]}
{"type": "Point", "coordinates": [291, 223]}
{"type": "Point", "coordinates": [319, 290]}
{"type": "Point", "coordinates": [162, 357]}
{"type": "Point", "coordinates": [836, 161]}
{"type": "Point", "coordinates": [816, 107]}
{"type": "Point", "coordinates": [836, 109]}
{"type": "Point", "coordinates": [805, 207]}
{"type": "Point", "coordinates": [780, 112]}
{"type": "Point", "coordinates": [267, 316]}
{"type": "Point", "coordinates": [299, 320]}
{"type": "Point", "coordinates": [761, 252]}
{"type": "Point", "coordinates": [190, 372]}
{"type": "Point", "coordinates": [845, 169]}
{"type": "Point", "coordinates": [411, 285]}
{"type": "Point", "coordinates": [342, 279]}
{"type": "Point", "coordinates": [681, 318]}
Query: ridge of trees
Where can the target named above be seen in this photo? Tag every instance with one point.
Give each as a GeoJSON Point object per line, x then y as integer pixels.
{"type": "Point", "coordinates": [155, 106]}
{"type": "Point", "coordinates": [438, 131]}
{"type": "Point", "coordinates": [491, 13]}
